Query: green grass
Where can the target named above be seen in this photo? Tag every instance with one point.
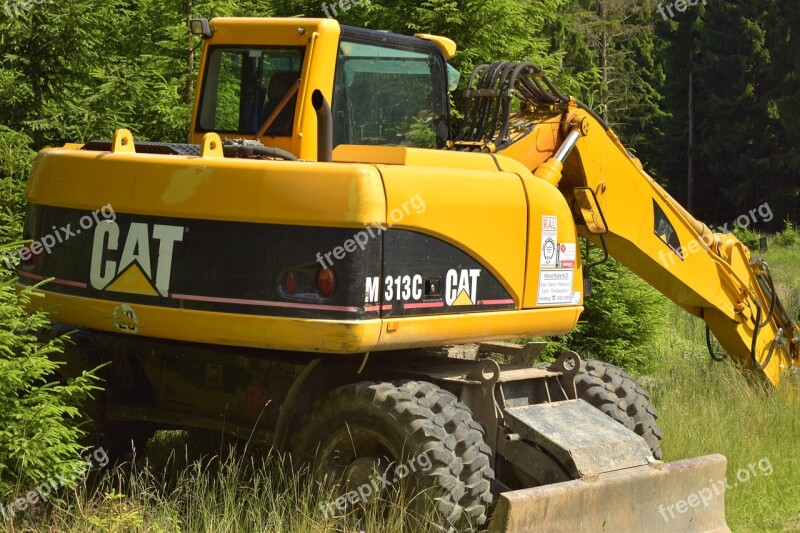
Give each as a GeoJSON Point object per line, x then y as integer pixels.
{"type": "Point", "coordinates": [705, 408]}
{"type": "Point", "coordinates": [785, 266]}
{"type": "Point", "coordinates": [239, 492]}
{"type": "Point", "coordinates": [709, 407]}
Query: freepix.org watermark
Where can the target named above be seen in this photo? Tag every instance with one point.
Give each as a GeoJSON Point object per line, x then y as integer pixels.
{"type": "Point", "coordinates": [344, 5]}
{"type": "Point", "coordinates": [361, 239]}
{"type": "Point", "coordinates": [378, 483]}
{"type": "Point", "coordinates": [715, 489]}
{"type": "Point", "coordinates": [678, 5]}
{"type": "Point", "coordinates": [762, 213]}
{"type": "Point", "coordinates": [98, 458]}
{"type": "Point", "coordinates": [58, 236]}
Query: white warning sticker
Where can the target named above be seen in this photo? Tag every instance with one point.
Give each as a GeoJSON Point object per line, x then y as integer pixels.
{"type": "Point", "coordinates": [549, 242]}
{"type": "Point", "coordinates": [555, 287]}
{"type": "Point", "coordinates": [566, 255]}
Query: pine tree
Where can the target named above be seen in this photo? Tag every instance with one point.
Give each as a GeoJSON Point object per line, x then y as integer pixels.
{"type": "Point", "coordinates": [783, 41]}
{"type": "Point", "coordinates": [736, 134]}
{"type": "Point", "coordinates": [620, 35]}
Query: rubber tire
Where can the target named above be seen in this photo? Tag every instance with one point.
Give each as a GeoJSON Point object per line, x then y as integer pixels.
{"type": "Point", "coordinates": [471, 447]}
{"type": "Point", "coordinates": [406, 415]}
{"type": "Point", "coordinates": [615, 393]}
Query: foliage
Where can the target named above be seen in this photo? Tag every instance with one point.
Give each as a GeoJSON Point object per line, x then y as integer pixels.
{"type": "Point", "coordinates": [15, 160]}
{"type": "Point", "coordinates": [38, 417]}
{"type": "Point", "coordinates": [620, 35]}
{"type": "Point", "coordinates": [621, 320]}
{"type": "Point", "coordinates": [709, 407]}
{"type": "Point", "coordinates": [789, 236]}
{"type": "Point", "coordinates": [738, 61]}
{"type": "Point", "coordinates": [750, 238]}
{"type": "Point", "coordinates": [16, 155]}
{"type": "Point", "coordinates": [233, 491]}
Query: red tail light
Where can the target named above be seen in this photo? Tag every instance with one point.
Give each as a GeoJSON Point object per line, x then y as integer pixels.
{"type": "Point", "coordinates": [288, 283]}
{"type": "Point", "coordinates": [326, 281]}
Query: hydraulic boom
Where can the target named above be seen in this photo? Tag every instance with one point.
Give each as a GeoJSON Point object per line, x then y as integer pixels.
{"type": "Point", "coordinates": [634, 219]}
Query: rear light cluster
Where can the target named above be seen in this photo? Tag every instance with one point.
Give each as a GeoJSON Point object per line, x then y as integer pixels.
{"type": "Point", "coordinates": [288, 283]}
{"type": "Point", "coordinates": [326, 281]}
{"type": "Point", "coordinates": [311, 282]}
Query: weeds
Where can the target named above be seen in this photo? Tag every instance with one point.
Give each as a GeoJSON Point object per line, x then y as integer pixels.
{"type": "Point", "coordinates": [789, 236]}
{"type": "Point", "coordinates": [235, 492]}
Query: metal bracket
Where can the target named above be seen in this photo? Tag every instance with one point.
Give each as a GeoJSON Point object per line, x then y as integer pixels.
{"type": "Point", "coordinates": [479, 395]}
{"type": "Point", "coordinates": [568, 365]}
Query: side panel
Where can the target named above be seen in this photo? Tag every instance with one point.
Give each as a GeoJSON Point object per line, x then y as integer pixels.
{"type": "Point", "coordinates": [554, 275]}
{"type": "Point", "coordinates": [482, 213]}
{"type": "Point", "coordinates": [195, 249]}
{"type": "Point", "coordinates": [423, 275]}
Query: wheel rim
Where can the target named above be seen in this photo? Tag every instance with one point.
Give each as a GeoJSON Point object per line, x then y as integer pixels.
{"type": "Point", "coordinates": [354, 454]}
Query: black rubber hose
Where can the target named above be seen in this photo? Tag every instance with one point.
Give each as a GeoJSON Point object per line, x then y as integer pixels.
{"type": "Point", "coordinates": [594, 115]}
{"type": "Point", "coordinates": [248, 151]}
{"type": "Point", "coordinates": [767, 278]}
{"type": "Point", "coordinates": [711, 352]}
{"type": "Point", "coordinates": [755, 339]}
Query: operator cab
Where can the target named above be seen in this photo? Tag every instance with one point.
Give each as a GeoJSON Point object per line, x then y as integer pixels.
{"type": "Point", "coordinates": [386, 89]}
{"type": "Point", "coordinates": [389, 90]}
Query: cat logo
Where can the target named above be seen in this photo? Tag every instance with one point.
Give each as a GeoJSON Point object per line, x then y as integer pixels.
{"type": "Point", "coordinates": [132, 271]}
{"type": "Point", "coordinates": [461, 287]}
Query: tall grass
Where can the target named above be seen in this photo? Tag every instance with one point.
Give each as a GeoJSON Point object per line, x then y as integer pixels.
{"type": "Point", "coordinates": [237, 492]}
{"type": "Point", "coordinates": [709, 407]}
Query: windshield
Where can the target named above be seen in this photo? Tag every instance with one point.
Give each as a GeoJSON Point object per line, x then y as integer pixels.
{"type": "Point", "coordinates": [389, 96]}
{"type": "Point", "coordinates": [243, 86]}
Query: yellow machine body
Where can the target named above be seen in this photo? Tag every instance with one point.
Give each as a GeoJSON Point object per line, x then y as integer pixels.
{"type": "Point", "coordinates": [355, 195]}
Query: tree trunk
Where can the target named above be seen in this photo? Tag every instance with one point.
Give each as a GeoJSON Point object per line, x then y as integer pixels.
{"type": "Point", "coordinates": [604, 44]}
{"type": "Point", "coordinates": [690, 152]}
{"type": "Point", "coordinates": [189, 90]}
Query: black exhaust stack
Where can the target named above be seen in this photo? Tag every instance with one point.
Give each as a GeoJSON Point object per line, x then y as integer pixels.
{"type": "Point", "coordinates": [324, 127]}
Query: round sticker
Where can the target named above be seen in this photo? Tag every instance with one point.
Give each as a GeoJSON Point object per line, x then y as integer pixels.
{"type": "Point", "coordinates": [124, 318]}
{"type": "Point", "coordinates": [549, 249]}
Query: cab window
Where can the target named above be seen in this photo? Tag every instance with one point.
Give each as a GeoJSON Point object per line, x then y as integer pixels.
{"type": "Point", "coordinates": [243, 86]}
{"type": "Point", "coordinates": [389, 95]}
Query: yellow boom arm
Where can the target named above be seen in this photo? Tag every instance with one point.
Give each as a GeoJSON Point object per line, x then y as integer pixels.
{"type": "Point", "coordinates": [709, 275]}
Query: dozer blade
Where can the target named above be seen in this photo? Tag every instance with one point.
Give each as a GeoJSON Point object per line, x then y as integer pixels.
{"type": "Point", "coordinates": [684, 496]}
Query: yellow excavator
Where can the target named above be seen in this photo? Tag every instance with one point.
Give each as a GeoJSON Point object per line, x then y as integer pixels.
{"type": "Point", "coordinates": [301, 270]}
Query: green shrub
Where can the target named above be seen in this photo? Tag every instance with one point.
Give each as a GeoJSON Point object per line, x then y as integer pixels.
{"type": "Point", "coordinates": [749, 238]}
{"type": "Point", "coordinates": [39, 416]}
{"type": "Point", "coordinates": [15, 153]}
{"type": "Point", "coordinates": [789, 236]}
{"type": "Point", "coordinates": [622, 320]}
{"type": "Point", "coordinates": [16, 158]}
